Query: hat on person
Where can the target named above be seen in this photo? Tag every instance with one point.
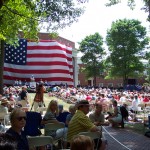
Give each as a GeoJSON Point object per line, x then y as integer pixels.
{"type": "Point", "coordinates": [4, 101]}
{"type": "Point", "coordinates": [82, 103]}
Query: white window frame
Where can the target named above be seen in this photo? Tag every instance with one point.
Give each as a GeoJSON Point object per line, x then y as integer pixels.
{"type": "Point", "coordinates": [120, 84]}
{"type": "Point", "coordinates": [101, 84]}
{"type": "Point", "coordinates": [110, 85]}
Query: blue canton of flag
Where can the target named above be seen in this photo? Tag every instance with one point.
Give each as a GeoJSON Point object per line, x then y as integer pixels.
{"type": "Point", "coordinates": [16, 55]}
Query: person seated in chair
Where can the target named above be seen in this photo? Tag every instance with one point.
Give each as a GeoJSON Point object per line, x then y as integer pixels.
{"type": "Point", "coordinates": [7, 142]}
{"type": "Point", "coordinates": [81, 123]}
{"type": "Point", "coordinates": [4, 106]}
{"type": "Point", "coordinates": [24, 97]}
{"type": "Point", "coordinates": [82, 142]}
{"type": "Point", "coordinates": [18, 121]}
{"type": "Point", "coordinates": [50, 117]}
{"type": "Point", "coordinates": [97, 117]}
{"type": "Point", "coordinates": [62, 114]}
{"type": "Point", "coordinates": [72, 110]}
{"type": "Point", "coordinates": [116, 117]}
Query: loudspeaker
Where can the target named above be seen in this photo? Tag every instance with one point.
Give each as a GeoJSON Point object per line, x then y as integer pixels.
{"type": "Point", "coordinates": [132, 81]}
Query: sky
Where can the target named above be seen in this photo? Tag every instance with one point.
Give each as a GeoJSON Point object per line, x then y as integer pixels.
{"type": "Point", "coordinates": [98, 18]}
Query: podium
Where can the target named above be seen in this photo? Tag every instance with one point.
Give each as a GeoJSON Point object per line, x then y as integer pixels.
{"type": "Point", "coordinates": [32, 85]}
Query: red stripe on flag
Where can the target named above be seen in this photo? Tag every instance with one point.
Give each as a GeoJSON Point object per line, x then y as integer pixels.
{"type": "Point", "coordinates": [37, 71]}
{"type": "Point", "coordinates": [48, 56]}
{"type": "Point", "coordinates": [52, 48]}
{"type": "Point", "coordinates": [49, 64]}
{"type": "Point", "coordinates": [38, 79]}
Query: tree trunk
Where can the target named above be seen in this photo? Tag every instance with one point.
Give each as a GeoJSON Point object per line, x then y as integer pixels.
{"type": "Point", "coordinates": [148, 10]}
{"type": "Point", "coordinates": [1, 65]}
{"type": "Point", "coordinates": [125, 81]}
{"type": "Point", "coordinates": [94, 81]}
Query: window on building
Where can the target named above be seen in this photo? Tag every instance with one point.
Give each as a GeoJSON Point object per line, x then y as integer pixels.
{"type": "Point", "coordinates": [119, 84]}
{"type": "Point", "coordinates": [110, 84]}
{"type": "Point", "coordinates": [101, 84]}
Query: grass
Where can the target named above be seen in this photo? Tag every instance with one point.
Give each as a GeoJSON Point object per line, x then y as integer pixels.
{"type": "Point", "coordinates": [137, 127]}
{"type": "Point", "coordinates": [47, 99]}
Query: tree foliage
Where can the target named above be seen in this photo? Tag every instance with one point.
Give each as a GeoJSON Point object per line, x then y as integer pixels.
{"type": "Point", "coordinates": [26, 15]}
{"type": "Point", "coordinates": [93, 52]}
{"type": "Point", "coordinates": [29, 16]}
{"type": "Point", "coordinates": [132, 4]}
{"type": "Point", "coordinates": [147, 56]}
{"type": "Point", "coordinates": [126, 40]}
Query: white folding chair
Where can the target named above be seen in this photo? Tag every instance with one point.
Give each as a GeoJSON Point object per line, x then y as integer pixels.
{"type": "Point", "coordinates": [25, 108]}
{"type": "Point", "coordinates": [54, 127]}
{"type": "Point", "coordinates": [23, 103]}
{"type": "Point", "coordinates": [36, 141]}
{"type": "Point", "coordinates": [93, 136]}
{"type": "Point", "coordinates": [7, 124]}
{"type": "Point", "coordinates": [41, 110]}
{"type": "Point", "coordinates": [2, 116]}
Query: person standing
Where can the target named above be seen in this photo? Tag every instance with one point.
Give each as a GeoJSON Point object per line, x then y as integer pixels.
{"type": "Point", "coordinates": [38, 99]}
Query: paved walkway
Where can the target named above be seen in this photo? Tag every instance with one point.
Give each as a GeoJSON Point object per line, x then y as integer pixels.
{"type": "Point", "coordinates": [126, 139]}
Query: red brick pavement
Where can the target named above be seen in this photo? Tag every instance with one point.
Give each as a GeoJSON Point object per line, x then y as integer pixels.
{"type": "Point", "coordinates": [130, 139]}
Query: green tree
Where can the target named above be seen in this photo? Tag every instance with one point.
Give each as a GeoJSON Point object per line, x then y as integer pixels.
{"type": "Point", "coordinates": [126, 40]}
{"type": "Point", "coordinates": [29, 16]}
{"type": "Point", "coordinates": [93, 52]}
{"type": "Point", "coordinates": [132, 4]}
{"type": "Point", "coordinates": [147, 56]}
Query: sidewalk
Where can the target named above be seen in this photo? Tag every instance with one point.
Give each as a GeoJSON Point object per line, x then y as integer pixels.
{"type": "Point", "coordinates": [126, 139]}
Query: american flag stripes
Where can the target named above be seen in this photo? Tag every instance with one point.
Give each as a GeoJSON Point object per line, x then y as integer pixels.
{"type": "Point", "coordinates": [47, 60]}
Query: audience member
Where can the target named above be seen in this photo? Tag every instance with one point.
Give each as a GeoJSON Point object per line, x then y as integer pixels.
{"type": "Point", "coordinates": [116, 117]}
{"type": "Point", "coordinates": [24, 98]}
{"type": "Point", "coordinates": [97, 117]}
{"type": "Point", "coordinates": [18, 121]}
{"type": "Point", "coordinates": [82, 142]}
{"type": "Point", "coordinates": [50, 117]}
{"type": "Point", "coordinates": [4, 106]}
{"type": "Point", "coordinates": [72, 110]}
{"type": "Point", "coordinates": [81, 123]}
{"type": "Point", "coordinates": [7, 142]}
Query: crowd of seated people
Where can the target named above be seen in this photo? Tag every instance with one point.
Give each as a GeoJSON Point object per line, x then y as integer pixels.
{"type": "Point", "coordinates": [103, 95]}
{"type": "Point", "coordinates": [101, 100]}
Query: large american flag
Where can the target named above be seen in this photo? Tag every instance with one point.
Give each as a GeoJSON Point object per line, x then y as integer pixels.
{"type": "Point", "coordinates": [47, 60]}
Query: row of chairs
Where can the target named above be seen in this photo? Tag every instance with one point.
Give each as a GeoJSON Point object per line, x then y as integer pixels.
{"type": "Point", "coordinates": [37, 141]}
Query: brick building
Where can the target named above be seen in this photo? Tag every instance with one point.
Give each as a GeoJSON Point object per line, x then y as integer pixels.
{"type": "Point", "coordinates": [101, 82]}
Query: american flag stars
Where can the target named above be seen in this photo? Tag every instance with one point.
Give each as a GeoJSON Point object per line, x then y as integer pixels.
{"type": "Point", "coordinates": [16, 55]}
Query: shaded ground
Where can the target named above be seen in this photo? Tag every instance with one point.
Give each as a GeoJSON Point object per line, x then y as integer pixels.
{"type": "Point", "coordinates": [129, 139]}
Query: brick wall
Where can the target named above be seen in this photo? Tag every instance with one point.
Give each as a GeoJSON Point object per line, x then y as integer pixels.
{"type": "Point", "coordinates": [106, 82]}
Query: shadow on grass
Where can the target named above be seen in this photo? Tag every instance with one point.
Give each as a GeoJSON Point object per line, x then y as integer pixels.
{"type": "Point", "coordinates": [137, 127]}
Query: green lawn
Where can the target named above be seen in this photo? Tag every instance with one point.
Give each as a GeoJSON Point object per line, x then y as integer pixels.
{"type": "Point", "coordinates": [47, 99]}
